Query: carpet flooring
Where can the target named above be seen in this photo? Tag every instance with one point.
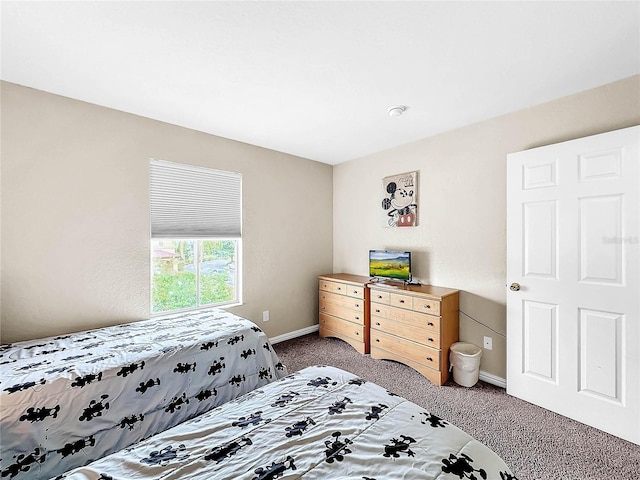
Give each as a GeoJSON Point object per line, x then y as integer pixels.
{"type": "Point", "coordinates": [535, 443]}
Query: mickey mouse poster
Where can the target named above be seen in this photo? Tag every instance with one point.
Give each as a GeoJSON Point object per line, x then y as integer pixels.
{"type": "Point", "coordinates": [399, 201]}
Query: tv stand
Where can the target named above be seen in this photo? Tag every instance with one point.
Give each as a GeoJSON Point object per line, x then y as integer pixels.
{"type": "Point", "coordinates": [414, 325]}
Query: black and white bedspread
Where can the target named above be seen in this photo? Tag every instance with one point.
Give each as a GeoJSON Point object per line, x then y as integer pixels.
{"type": "Point", "coordinates": [318, 423]}
{"type": "Point", "coordinates": [68, 400]}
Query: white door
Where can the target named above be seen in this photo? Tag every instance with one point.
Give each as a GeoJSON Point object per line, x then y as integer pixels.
{"type": "Point", "coordinates": [573, 327]}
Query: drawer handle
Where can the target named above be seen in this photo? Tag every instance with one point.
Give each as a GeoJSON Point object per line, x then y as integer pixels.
{"type": "Point", "coordinates": [355, 291]}
{"type": "Point", "coordinates": [430, 324]}
{"type": "Point", "coordinates": [430, 359]}
{"type": "Point", "coordinates": [429, 339]}
{"type": "Point", "coordinates": [339, 288]}
{"type": "Point", "coordinates": [401, 301]}
{"type": "Point", "coordinates": [357, 305]}
{"type": "Point", "coordinates": [377, 340]}
{"type": "Point", "coordinates": [323, 308]}
{"type": "Point", "coordinates": [357, 318]}
{"type": "Point", "coordinates": [377, 310]}
{"type": "Point", "coordinates": [380, 296]}
{"type": "Point", "coordinates": [378, 323]}
{"type": "Point", "coordinates": [357, 333]}
{"type": "Point", "coordinates": [426, 305]}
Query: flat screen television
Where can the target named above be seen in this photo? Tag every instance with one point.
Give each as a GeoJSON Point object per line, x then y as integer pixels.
{"type": "Point", "coordinates": [390, 264]}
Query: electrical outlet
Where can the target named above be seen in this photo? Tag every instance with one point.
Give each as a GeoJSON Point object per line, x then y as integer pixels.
{"type": "Point", "coordinates": [488, 343]}
{"type": "Point", "coordinates": [265, 316]}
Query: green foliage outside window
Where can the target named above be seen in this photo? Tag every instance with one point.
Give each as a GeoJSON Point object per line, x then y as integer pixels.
{"type": "Point", "coordinates": [175, 267]}
{"type": "Point", "coordinates": [173, 291]}
{"type": "Point", "coordinates": [212, 249]}
{"type": "Point", "coordinates": [215, 289]}
{"type": "Point", "coordinates": [177, 291]}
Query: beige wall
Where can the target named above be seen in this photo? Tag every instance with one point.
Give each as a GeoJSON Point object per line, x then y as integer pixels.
{"type": "Point", "coordinates": [75, 211]}
{"type": "Point", "coordinates": [461, 238]}
{"type": "Point", "coordinates": [75, 217]}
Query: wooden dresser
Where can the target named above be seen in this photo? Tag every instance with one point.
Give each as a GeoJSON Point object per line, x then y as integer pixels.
{"type": "Point", "coordinates": [344, 309]}
{"type": "Point", "coordinates": [414, 325]}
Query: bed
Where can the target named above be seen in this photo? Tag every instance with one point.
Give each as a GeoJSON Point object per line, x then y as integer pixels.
{"type": "Point", "coordinates": [318, 423]}
{"type": "Point", "coordinates": [70, 399]}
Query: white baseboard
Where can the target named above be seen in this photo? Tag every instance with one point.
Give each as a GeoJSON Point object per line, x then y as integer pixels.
{"type": "Point", "coordinates": [294, 334]}
{"type": "Point", "coordinates": [492, 379]}
{"type": "Point", "coordinates": [484, 376]}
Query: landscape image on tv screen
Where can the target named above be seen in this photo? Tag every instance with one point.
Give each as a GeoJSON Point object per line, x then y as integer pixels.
{"type": "Point", "coordinates": [390, 264]}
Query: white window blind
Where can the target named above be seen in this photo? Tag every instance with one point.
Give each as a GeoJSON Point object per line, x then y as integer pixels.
{"type": "Point", "coordinates": [194, 202]}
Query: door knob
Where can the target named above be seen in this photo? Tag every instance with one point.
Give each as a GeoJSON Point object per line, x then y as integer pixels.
{"type": "Point", "coordinates": [515, 287]}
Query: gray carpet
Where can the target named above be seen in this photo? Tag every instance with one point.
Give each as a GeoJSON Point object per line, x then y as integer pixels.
{"type": "Point", "coordinates": [535, 443]}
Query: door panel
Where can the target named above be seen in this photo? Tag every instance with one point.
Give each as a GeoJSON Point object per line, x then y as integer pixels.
{"type": "Point", "coordinates": [600, 227]}
{"type": "Point", "coordinates": [601, 360]}
{"type": "Point", "coordinates": [540, 239]}
{"type": "Point", "coordinates": [601, 165]}
{"type": "Point", "coordinates": [539, 348]}
{"type": "Point", "coordinates": [573, 327]}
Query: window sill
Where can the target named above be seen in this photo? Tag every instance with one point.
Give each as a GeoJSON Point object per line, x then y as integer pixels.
{"type": "Point", "coordinates": [196, 309]}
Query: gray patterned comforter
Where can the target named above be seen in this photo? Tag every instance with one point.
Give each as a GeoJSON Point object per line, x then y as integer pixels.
{"type": "Point", "coordinates": [319, 423]}
{"type": "Point", "coordinates": [68, 400]}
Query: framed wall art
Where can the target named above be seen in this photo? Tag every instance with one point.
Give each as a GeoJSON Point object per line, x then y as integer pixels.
{"type": "Point", "coordinates": [399, 200]}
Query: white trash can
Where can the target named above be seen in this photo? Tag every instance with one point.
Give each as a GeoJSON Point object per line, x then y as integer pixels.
{"type": "Point", "coordinates": [465, 362]}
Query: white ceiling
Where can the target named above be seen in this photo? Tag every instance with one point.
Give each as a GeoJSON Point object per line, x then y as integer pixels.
{"type": "Point", "coordinates": [316, 79]}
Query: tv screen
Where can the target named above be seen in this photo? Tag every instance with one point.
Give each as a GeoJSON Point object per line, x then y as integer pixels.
{"type": "Point", "coordinates": [386, 264]}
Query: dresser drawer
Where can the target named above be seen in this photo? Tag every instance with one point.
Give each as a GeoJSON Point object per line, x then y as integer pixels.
{"type": "Point", "coordinates": [379, 297]}
{"type": "Point", "coordinates": [334, 287]}
{"type": "Point", "coordinates": [419, 320]}
{"type": "Point", "coordinates": [343, 327]}
{"type": "Point", "coordinates": [421, 335]}
{"type": "Point", "coordinates": [426, 306]}
{"type": "Point", "coordinates": [381, 310]}
{"type": "Point", "coordinates": [407, 349]}
{"type": "Point", "coordinates": [400, 300]}
{"type": "Point", "coordinates": [342, 300]}
{"type": "Point", "coordinates": [354, 291]}
{"type": "Point", "coordinates": [342, 312]}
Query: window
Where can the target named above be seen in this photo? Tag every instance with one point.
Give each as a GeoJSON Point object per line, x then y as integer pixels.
{"type": "Point", "coordinates": [195, 237]}
{"type": "Point", "coordinates": [193, 273]}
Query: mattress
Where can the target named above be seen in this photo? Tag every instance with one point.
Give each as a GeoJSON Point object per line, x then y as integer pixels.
{"type": "Point", "coordinates": [318, 423]}
{"type": "Point", "coordinates": [71, 399]}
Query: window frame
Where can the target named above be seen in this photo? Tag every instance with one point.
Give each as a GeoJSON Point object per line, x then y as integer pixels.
{"type": "Point", "coordinates": [194, 203]}
{"type": "Point", "coordinates": [237, 301]}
